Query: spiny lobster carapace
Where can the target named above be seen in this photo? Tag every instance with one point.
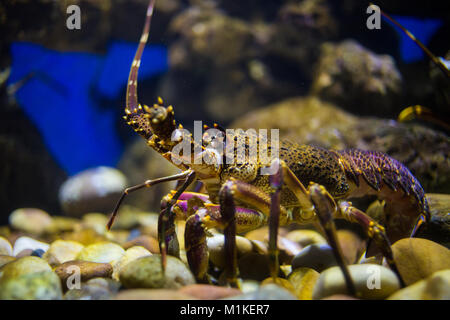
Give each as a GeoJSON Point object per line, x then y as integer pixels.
{"type": "Point", "coordinates": [308, 184]}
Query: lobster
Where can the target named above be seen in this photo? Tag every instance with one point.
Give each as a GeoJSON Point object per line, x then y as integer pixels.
{"type": "Point", "coordinates": [305, 184]}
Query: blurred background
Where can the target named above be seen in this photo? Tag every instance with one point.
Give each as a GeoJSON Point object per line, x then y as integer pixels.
{"type": "Point", "coordinates": [311, 68]}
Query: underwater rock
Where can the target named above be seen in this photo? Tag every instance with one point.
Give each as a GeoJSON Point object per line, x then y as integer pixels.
{"type": "Point", "coordinates": [281, 282]}
{"type": "Point", "coordinates": [23, 266]}
{"type": "Point", "coordinates": [146, 272]}
{"type": "Point", "coordinates": [24, 243]}
{"type": "Point", "coordinates": [309, 120]}
{"type": "Point", "coordinates": [102, 252]}
{"type": "Point", "coordinates": [267, 292]}
{"type": "Point", "coordinates": [92, 190]}
{"type": "Point", "coordinates": [357, 79]}
{"type": "Point", "coordinates": [209, 292]}
{"type": "Point", "coordinates": [84, 269]}
{"type": "Point", "coordinates": [5, 247]}
{"type": "Point", "coordinates": [364, 276]}
{"type": "Point", "coordinates": [303, 280]}
{"type": "Point", "coordinates": [44, 285]}
{"type": "Point", "coordinates": [61, 251]}
{"type": "Point", "coordinates": [438, 228]}
{"type": "Point", "coordinates": [62, 224]}
{"type": "Point", "coordinates": [148, 242]}
{"type": "Point", "coordinates": [30, 220]}
{"type": "Point", "coordinates": [315, 256]}
{"type": "Point", "coordinates": [85, 237]}
{"type": "Point", "coordinates": [254, 266]}
{"type": "Point", "coordinates": [4, 259]}
{"type": "Point", "coordinates": [306, 237]}
{"type": "Point", "coordinates": [152, 294]}
{"type": "Point", "coordinates": [217, 252]}
{"type": "Point", "coordinates": [94, 289]}
{"type": "Point", "coordinates": [131, 254]}
{"type": "Point", "coordinates": [435, 287]}
{"type": "Point", "coordinates": [352, 245]}
{"type": "Point", "coordinates": [418, 258]}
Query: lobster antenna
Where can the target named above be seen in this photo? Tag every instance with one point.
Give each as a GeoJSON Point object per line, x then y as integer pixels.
{"type": "Point", "coordinates": [132, 100]}
{"type": "Point", "coordinates": [432, 57]}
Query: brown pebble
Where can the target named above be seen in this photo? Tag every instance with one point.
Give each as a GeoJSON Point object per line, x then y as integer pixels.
{"type": "Point", "coordinates": [88, 270]}
{"type": "Point", "coordinates": [209, 292]}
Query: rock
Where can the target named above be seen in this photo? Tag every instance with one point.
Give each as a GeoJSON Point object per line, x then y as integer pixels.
{"type": "Point", "coordinates": [303, 280]}
{"type": "Point", "coordinates": [95, 221]}
{"type": "Point", "coordinates": [44, 285]}
{"type": "Point", "coordinates": [85, 237]}
{"type": "Point", "coordinates": [249, 285]}
{"type": "Point", "coordinates": [352, 245]}
{"type": "Point", "coordinates": [131, 254]}
{"type": "Point", "coordinates": [416, 258]}
{"type": "Point", "coordinates": [23, 266]}
{"type": "Point", "coordinates": [281, 283]}
{"type": "Point", "coordinates": [92, 190]}
{"type": "Point", "coordinates": [69, 271]}
{"type": "Point", "coordinates": [102, 252]}
{"type": "Point", "coordinates": [118, 236]}
{"type": "Point", "coordinates": [371, 282]}
{"type": "Point", "coordinates": [94, 289]}
{"type": "Point", "coordinates": [127, 218]}
{"type": "Point", "coordinates": [24, 253]}
{"type": "Point", "coordinates": [306, 237]}
{"type": "Point", "coordinates": [146, 272]}
{"type": "Point", "coordinates": [254, 266]}
{"type": "Point", "coordinates": [148, 242]}
{"type": "Point", "coordinates": [5, 259]}
{"type": "Point", "coordinates": [62, 224]}
{"type": "Point", "coordinates": [5, 247]}
{"type": "Point", "coordinates": [314, 256]}
{"type": "Point", "coordinates": [435, 287]}
{"type": "Point", "coordinates": [216, 248]}
{"type": "Point", "coordinates": [347, 69]}
{"type": "Point", "coordinates": [152, 294]}
{"type": "Point", "coordinates": [30, 220]}
{"type": "Point", "coordinates": [209, 292]}
{"type": "Point", "coordinates": [61, 251]}
{"type": "Point", "coordinates": [267, 292]}
{"type": "Point", "coordinates": [37, 253]}
{"type": "Point", "coordinates": [23, 243]}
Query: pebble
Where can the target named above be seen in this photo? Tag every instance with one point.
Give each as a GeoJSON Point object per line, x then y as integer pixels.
{"type": "Point", "coordinates": [62, 224]}
{"type": "Point", "coordinates": [85, 237]}
{"type": "Point", "coordinates": [4, 259]}
{"type": "Point", "coordinates": [102, 252]}
{"type": "Point", "coordinates": [23, 243]}
{"type": "Point", "coordinates": [266, 292]}
{"type": "Point", "coordinates": [30, 220]}
{"type": "Point", "coordinates": [306, 237]}
{"type": "Point", "coordinates": [152, 294]}
{"type": "Point", "coordinates": [69, 271]}
{"type": "Point", "coordinates": [131, 254]}
{"type": "Point", "coordinates": [249, 286]}
{"type": "Point", "coordinates": [254, 266]}
{"type": "Point", "coordinates": [37, 253]}
{"type": "Point", "coordinates": [94, 289]}
{"type": "Point", "coordinates": [95, 221]}
{"type": "Point", "coordinates": [216, 248]}
{"type": "Point", "coordinates": [25, 265]}
{"type": "Point", "coordinates": [61, 251]}
{"type": "Point", "coordinates": [315, 256]}
{"type": "Point", "coordinates": [146, 272]}
{"type": "Point", "coordinates": [352, 245]}
{"type": "Point", "coordinates": [146, 241]}
{"type": "Point", "coordinates": [209, 292]}
{"type": "Point", "coordinates": [303, 280]}
{"type": "Point", "coordinates": [418, 258]}
{"type": "Point", "coordinates": [92, 190]}
{"type": "Point", "coordinates": [284, 283]}
{"type": "Point", "coordinates": [435, 287]}
{"type": "Point", "coordinates": [371, 282]}
{"type": "Point", "coordinates": [44, 285]}
{"type": "Point", "coordinates": [5, 247]}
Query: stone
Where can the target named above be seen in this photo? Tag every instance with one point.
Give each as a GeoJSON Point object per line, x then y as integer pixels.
{"type": "Point", "coordinates": [94, 289]}
{"type": "Point", "coordinates": [249, 285]}
{"type": "Point", "coordinates": [352, 245]}
{"type": "Point", "coordinates": [254, 266]}
{"type": "Point", "coordinates": [61, 251]}
{"type": "Point", "coordinates": [417, 258]}
{"type": "Point", "coordinates": [102, 252]}
{"type": "Point", "coordinates": [84, 269]}
{"type": "Point", "coordinates": [131, 254]}
{"type": "Point", "coordinates": [44, 285]}
{"type": "Point", "coordinates": [146, 241]}
{"type": "Point", "coordinates": [209, 292]}
{"type": "Point", "coordinates": [315, 256]}
{"type": "Point", "coordinates": [85, 237]}
{"type": "Point", "coordinates": [371, 282]}
{"type": "Point", "coordinates": [5, 259]}
{"type": "Point", "coordinates": [95, 221]}
{"type": "Point", "coordinates": [30, 220]}
{"type": "Point", "coordinates": [62, 224]}
{"type": "Point", "coordinates": [267, 292]}
{"type": "Point", "coordinates": [435, 287]}
{"type": "Point", "coordinates": [152, 294]}
{"type": "Point", "coordinates": [92, 190]}
{"type": "Point", "coordinates": [23, 266]}
{"type": "Point", "coordinates": [146, 272]}
{"type": "Point", "coordinates": [216, 248]}
{"type": "Point", "coordinates": [303, 280]}
{"type": "Point", "coordinates": [284, 283]}
{"type": "Point", "coordinates": [5, 247]}
{"type": "Point", "coordinates": [23, 243]}
{"type": "Point", "coordinates": [305, 237]}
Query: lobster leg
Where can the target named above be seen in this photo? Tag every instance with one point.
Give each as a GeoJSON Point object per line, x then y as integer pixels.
{"type": "Point", "coordinates": [373, 230]}
{"type": "Point", "coordinates": [146, 184]}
